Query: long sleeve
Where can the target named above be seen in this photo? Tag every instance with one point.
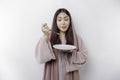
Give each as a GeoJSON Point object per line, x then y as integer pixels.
{"type": "Point", "coordinates": [44, 52]}
{"type": "Point", "coordinates": [78, 58]}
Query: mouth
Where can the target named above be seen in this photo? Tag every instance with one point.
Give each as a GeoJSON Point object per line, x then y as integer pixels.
{"type": "Point", "coordinates": [63, 27]}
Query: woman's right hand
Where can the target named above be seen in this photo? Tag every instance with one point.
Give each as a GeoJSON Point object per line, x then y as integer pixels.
{"type": "Point", "coordinates": [46, 30]}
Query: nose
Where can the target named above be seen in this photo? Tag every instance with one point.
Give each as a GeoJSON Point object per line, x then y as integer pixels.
{"type": "Point", "coordinates": [63, 22]}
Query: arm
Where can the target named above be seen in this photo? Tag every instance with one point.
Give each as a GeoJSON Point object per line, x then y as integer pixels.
{"type": "Point", "coordinates": [78, 58]}
{"type": "Point", "coordinates": [44, 52]}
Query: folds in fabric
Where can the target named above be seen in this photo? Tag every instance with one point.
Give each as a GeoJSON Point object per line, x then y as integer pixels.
{"type": "Point", "coordinates": [44, 51]}
{"type": "Point", "coordinates": [78, 58]}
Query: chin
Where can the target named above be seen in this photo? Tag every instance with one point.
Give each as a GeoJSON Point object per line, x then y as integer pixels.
{"type": "Point", "coordinates": [64, 30]}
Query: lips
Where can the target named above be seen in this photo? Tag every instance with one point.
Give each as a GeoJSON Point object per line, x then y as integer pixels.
{"type": "Point", "coordinates": [63, 27]}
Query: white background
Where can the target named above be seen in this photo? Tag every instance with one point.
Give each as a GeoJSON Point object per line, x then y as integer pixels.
{"type": "Point", "coordinates": [97, 21]}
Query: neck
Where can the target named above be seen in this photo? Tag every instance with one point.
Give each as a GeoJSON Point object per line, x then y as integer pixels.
{"type": "Point", "coordinates": [62, 33]}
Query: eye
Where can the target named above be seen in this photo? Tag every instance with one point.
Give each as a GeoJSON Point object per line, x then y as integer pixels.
{"type": "Point", "coordinates": [66, 19]}
{"type": "Point", "coordinates": [58, 19]}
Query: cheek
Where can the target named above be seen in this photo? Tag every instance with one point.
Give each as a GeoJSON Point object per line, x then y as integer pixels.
{"type": "Point", "coordinates": [67, 24]}
{"type": "Point", "coordinates": [58, 24]}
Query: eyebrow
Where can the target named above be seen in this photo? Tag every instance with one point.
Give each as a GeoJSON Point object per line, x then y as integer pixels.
{"type": "Point", "coordinates": [64, 17]}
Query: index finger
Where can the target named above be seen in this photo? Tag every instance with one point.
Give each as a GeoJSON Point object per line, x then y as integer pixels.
{"type": "Point", "coordinates": [44, 24]}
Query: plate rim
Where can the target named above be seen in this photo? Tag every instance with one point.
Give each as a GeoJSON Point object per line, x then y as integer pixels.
{"type": "Point", "coordinates": [64, 44]}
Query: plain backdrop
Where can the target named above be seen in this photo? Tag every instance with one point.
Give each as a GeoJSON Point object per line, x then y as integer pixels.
{"type": "Point", "coordinates": [97, 21]}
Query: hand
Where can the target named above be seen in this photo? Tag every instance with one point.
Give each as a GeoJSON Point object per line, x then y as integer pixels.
{"type": "Point", "coordinates": [45, 30]}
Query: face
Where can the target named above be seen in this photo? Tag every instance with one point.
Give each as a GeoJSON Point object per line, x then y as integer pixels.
{"type": "Point", "coordinates": [63, 21]}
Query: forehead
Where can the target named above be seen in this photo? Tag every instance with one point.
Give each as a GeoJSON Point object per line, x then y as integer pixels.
{"type": "Point", "coordinates": [62, 15]}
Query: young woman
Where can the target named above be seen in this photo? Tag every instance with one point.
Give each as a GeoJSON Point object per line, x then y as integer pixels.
{"type": "Point", "coordinates": [60, 65]}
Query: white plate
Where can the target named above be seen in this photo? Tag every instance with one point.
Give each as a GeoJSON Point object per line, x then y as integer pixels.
{"type": "Point", "coordinates": [64, 47]}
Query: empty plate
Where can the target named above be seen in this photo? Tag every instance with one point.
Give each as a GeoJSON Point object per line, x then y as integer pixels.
{"type": "Point", "coordinates": [64, 47]}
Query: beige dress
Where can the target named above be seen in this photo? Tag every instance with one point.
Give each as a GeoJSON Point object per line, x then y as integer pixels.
{"type": "Point", "coordinates": [62, 58]}
{"type": "Point", "coordinates": [60, 65]}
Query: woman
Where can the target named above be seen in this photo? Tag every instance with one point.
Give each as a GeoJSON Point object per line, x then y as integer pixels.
{"type": "Point", "coordinates": [60, 65]}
